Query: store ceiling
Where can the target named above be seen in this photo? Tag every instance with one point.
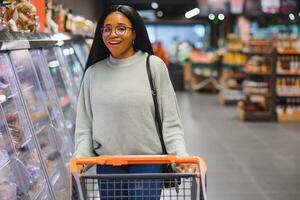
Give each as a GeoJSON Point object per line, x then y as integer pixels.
{"type": "Point", "coordinates": [176, 9]}
{"type": "Point", "coordinates": [170, 8]}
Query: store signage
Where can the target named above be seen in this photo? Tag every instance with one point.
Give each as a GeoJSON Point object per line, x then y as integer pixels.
{"type": "Point", "coordinates": [289, 6]}
{"type": "Point", "coordinates": [252, 7]}
{"type": "Point", "coordinates": [270, 6]}
{"type": "Point", "coordinates": [236, 6]}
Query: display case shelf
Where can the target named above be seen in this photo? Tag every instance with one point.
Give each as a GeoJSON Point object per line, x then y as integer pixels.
{"type": "Point", "coordinates": [4, 162]}
{"type": "Point", "coordinates": [54, 178]}
{"type": "Point", "coordinates": [25, 143]}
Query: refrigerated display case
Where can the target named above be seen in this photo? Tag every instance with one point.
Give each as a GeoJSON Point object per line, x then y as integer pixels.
{"type": "Point", "coordinates": [10, 183]}
{"type": "Point", "coordinates": [73, 63]}
{"type": "Point", "coordinates": [25, 151]}
{"type": "Point", "coordinates": [38, 96]}
{"type": "Point", "coordinates": [52, 101]}
{"type": "Point", "coordinates": [82, 51]}
{"type": "Point", "coordinates": [48, 138]}
{"type": "Point", "coordinates": [64, 87]}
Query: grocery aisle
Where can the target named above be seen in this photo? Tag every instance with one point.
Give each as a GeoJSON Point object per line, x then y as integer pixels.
{"type": "Point", "coordinates": [246, 161]}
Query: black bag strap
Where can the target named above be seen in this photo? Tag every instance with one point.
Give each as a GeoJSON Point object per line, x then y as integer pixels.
{"type": "Point", "coordinates": [157, 114]}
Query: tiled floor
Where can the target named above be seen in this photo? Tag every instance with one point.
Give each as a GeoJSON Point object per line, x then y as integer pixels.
{"type": "Point", "coordinates": [246, 161]}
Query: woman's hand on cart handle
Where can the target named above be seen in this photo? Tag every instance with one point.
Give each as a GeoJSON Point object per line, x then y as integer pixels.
{"type": "Point", "coordinates": [187, 168]}
{"type": "Point", "coordinates": [80, 169]}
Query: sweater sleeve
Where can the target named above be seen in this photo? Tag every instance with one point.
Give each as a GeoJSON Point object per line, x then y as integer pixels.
{"type": "Point", "coordinates": [173, 133]}
{"type": "Point", "coordinates": [83, 129]}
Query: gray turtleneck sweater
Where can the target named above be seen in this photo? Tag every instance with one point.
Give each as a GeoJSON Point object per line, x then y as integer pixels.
{"type": "Point", "coordinates": [115, 112]}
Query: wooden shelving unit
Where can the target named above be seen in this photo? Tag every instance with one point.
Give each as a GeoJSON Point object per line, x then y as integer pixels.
{"type": "Point", "coordinates": [232, 74]}
{"type": "Point", "coordinates": [259, 84]}
{"type": "Point", "coordinates": [288, 86]}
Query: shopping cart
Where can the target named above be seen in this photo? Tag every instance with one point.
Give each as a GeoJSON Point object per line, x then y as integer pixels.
{"type": "Point", "coordinates": [139, 186]}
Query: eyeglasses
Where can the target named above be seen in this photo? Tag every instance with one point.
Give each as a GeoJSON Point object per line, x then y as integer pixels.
{"type": "Point", "coordinates": [119, 30]}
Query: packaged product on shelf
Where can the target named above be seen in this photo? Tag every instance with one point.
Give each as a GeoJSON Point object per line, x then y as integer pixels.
{"type": "Point", "coordinates": [287, 42]}
{"type": "Point", "coordinates": [21, 15]}
{"type": "Point", "coordinates": [288, 110]}
{"type": "Point", "coordinates": [258, 64]}
{"type": "Point", "coordinates": [288, 64]}
{"type": "Point", "coordinates": [288, 86]}
{"type": "Point", "coordinates": [256, 45]}
{"type": "Point", "coordinates": [256, 87]}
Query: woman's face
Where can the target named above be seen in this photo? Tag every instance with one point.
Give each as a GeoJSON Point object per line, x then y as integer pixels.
{"type": "Point", "coordinates": [118, 35]}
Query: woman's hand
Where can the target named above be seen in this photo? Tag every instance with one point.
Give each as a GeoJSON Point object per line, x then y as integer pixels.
{"type": "Point", "coordinates": [80, 170]}
{"type": "Point", "coordinates": [187, 168]}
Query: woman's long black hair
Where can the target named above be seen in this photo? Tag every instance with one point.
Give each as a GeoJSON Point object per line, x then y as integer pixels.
{"type": "Point", "coordinates": [99, 51]}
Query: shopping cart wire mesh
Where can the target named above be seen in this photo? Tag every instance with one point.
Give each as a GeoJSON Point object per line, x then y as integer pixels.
{"type": "Point", "coordinates": [138, 186]}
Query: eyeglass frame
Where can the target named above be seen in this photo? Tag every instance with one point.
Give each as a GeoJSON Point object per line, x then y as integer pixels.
{"type": "Point", "coordinates": [115, 29]}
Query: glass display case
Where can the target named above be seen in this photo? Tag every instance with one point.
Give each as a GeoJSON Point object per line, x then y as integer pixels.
{"type": "Point", "coordinates": [25, 152]}
{"type": "Point", "coordinates": [52, 101]}
{"type": "Point", "coordinates": [39, 84]}
{"type": "Point", "coordinates": [73, 63]}
{"type": "Point", "coordinates": [48, 138]}
{"type": "Point", "coordinates": [10, 185]}
{"type": "Point", "coordinates": [82, 51]}
{"type": "Point", "coordinates": [64, 87]}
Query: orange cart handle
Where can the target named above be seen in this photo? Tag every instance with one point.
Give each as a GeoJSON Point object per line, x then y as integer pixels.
{"type": "Point", "coordinates": [130, 160]}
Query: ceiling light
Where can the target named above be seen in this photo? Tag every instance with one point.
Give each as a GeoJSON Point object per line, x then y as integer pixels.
{"type": "Point", "coordinates": [159, 13]}
{"type": "Point", "coordinates": [154, 5]}
{"type": "Point", "coordinates": [221, 16]}
{"type": "Point", "coordinates": [211, 16]}
{"type": "Point", "coordinates": [292, 16]}
{"type": "Point", "coordinates": [192, 13]}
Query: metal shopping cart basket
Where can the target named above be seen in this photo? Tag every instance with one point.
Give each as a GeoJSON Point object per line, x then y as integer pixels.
{"type": "Point", "coordinates": [139, 186]}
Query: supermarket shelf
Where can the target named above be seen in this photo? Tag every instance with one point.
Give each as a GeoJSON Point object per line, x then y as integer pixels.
{"type": "Point", "coordinates": [289, 118]}
{"type": "Point", "coordinates": [288, 96]}
{"type": "Point", "coordinates": [237, 87]}
{"type": "Point", "coordinates": [257, 74]}
{"type": "Point", "coordinates": [257, 52]}
{"type": "Point", "coordinates": [229, 102]}
{"type": "Point", "coordinates": [288, 74]}
{"type": "Point", "coordinates": [254, 115]}
{"type": "Point", "coordinates": [258, 94]}
{"type": "Point", "coordinates": [229, 65]}
{"type": "Point", "coordinates": [282, 96]}
{"type": "Point", "coordinates": [290, 52]}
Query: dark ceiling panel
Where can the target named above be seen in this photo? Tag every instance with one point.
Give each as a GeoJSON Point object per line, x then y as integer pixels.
{"type": "Point", "coordinates": [171, 8]}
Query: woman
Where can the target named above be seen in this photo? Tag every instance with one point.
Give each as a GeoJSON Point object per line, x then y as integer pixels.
{"type": "Point", "coordinates": [115, 113]}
